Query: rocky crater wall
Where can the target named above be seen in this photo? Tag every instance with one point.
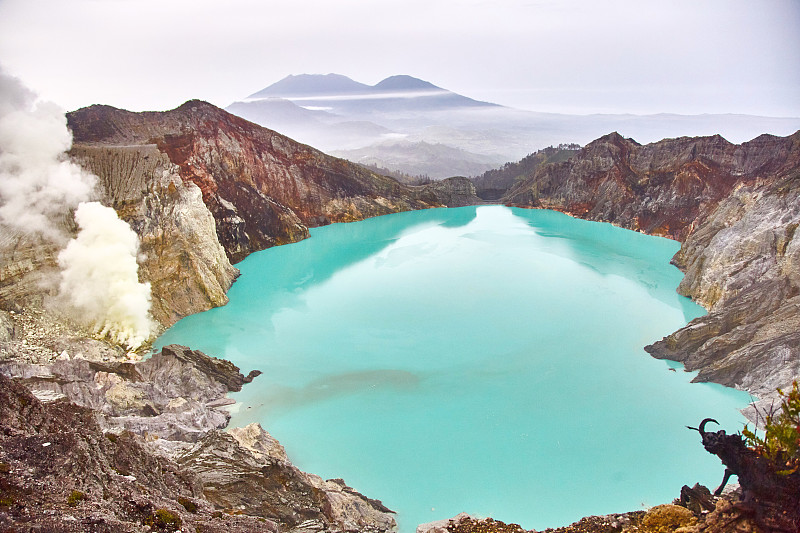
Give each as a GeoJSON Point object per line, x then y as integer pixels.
{"type": "Point", "coordinates": [736, 209]}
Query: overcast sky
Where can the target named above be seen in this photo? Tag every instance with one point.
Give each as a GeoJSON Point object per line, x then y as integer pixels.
{"type": "Point", "coordinates": [574, 56]}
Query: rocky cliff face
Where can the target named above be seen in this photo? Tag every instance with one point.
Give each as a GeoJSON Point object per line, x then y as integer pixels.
{"type": "Point", "coordinates": [735, 208]}
{"type": "Point", "coordinates": [180, 255]}
{"type": "Point", "coordinates": [743, 264]}
{"type": "Point", "coordinates": [665, 188]}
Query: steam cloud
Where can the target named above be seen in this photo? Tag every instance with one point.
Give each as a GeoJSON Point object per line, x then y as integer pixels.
{"type": "Point", "coordinates": [39, 187]}
{"type": "Point", "coordinates": [100, 274]}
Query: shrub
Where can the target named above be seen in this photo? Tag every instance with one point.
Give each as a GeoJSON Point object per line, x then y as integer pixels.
{"type": "Point", "coordinates": [188, 504]}
{"type": "Point", "coordinates": [781, 441]}
{"type": "Point", "coordinates": [75, 497]}
{"type": "Point", "coordinates": [667, 518]}
{"type": "Point", "coordinates": [164, 520]}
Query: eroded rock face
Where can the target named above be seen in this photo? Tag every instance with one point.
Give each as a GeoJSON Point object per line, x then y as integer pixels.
{"type": "Point", "coordinates": [665, 188]}
{"type": "Point", "coordinates": [743, 264]}
{"type": "Point", "coordinates": [181, 257]}
{"type": "Point", "coordinates": [736, 208]}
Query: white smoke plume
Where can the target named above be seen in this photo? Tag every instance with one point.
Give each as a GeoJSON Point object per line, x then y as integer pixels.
{"type": "Point", "coordinates": [38, 184]}
{"type": "Point", "coordinates": [39, 188]}
{"type": "Point", "coordinates": [100, 274]}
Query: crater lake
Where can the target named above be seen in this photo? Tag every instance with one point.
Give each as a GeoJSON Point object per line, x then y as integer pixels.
{"type": "Point", "coordinates": [481, 359]}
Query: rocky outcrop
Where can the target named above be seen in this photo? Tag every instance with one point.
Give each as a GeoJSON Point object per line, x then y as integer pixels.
{"type": "Point", "coordinates": [736, 209]}
{"type": "Point", "coordinates": [246, 470]}
{"type": "Point", "coordinates": [60, 472]}
{"type": "Point", "coordinates": [166, 410]}
{"type": "Point", "coordinates": [452, 192]}
{"type": "Point", "coordinates": [743, 264]}
{"type": "Point", "coordinates": [173, 395]}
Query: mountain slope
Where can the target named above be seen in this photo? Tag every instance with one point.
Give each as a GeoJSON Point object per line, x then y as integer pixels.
{"type": "Point", "coordinates": [263, 188]}
{"type": "Point", "coordinates": [312, 85]}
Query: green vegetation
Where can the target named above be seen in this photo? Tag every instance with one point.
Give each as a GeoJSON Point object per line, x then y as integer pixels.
{"type": "Point", "coordinates": [188, 504]}
{"type": "Point", "coordinates": [492, 184]}
{"type": "Point", "coordinates": [75, 497]}
{"type": "Point", "coordinates": [781, 441]}
{"type": "Point", "coordinates": [164, 520]}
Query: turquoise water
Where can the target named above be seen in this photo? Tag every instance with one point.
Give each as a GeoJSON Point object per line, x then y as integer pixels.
{"type": "Point", "coordinates": [481, 359]}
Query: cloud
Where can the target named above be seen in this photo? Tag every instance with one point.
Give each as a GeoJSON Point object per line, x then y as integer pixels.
{"type": "Point", "coordinates": [99, 277]}
{"type": "Point", "coordinates": [37, 182]}
{"type": "Point", "coordinates": [39, 190]}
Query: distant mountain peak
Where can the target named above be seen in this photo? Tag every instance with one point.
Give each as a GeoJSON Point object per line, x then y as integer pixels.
{"type": "Point", "coordinates": [403, 82]}
{"type": "Point", "coordinates": [312, 85]}
{"type": "Point", "coordinates": [304, 86]}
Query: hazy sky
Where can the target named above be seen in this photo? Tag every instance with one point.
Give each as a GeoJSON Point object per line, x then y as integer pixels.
{"type": "Point", "coordinates": [578, 56]}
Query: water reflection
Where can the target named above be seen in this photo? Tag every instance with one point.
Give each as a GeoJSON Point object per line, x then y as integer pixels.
{"type": "Point", "coordinates": [614, 251]}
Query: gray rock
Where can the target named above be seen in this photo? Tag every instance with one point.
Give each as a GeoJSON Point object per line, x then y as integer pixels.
{"type": "Point", "coordinates": [172, 395]}
{"type": "Point", "coordinates": [247, 470]}
{"type": "Point", "coordinates": [744, 264]}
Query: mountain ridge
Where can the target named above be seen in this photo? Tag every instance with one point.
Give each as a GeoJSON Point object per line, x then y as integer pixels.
{"type": "Point", "coordinates": [321, 85]}
{"type": "Point", "coordinates": [406, 106]}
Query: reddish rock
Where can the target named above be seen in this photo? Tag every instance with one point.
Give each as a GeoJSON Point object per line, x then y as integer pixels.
{"type": "Point", "coordinates": [664, 188]}
{"type": "Point", "coordinates": [263, 188]}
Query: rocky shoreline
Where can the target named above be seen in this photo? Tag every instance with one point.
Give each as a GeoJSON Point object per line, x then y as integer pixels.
{"type": "Point", "coordinates": [133, 439]}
